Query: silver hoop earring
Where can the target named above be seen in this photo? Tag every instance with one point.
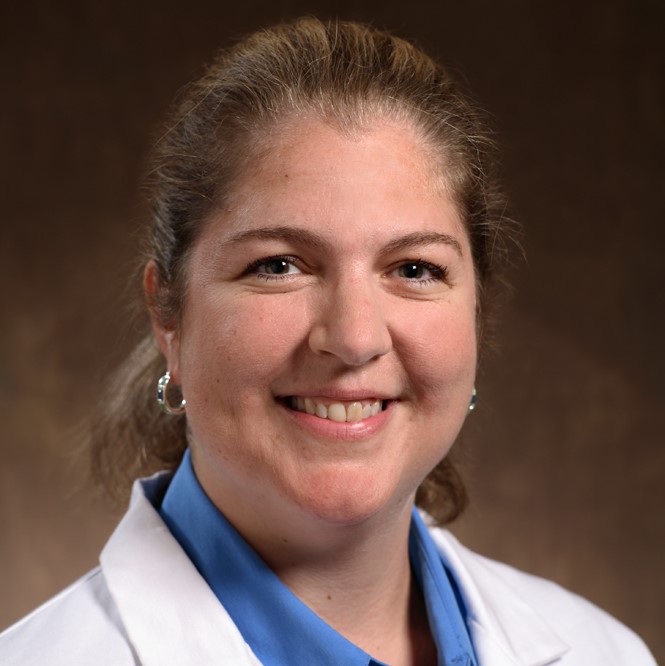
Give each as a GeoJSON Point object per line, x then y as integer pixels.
{"type": "Point", "coordinates": [474, 399]}
{"type": "Point", "coordinates": [163, 400]}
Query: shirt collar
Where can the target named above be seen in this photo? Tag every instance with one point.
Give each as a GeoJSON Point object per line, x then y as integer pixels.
{"type": "Point", "coordinates": [280, 629]}
{"type": "Point", "coordinates": [445, 608]}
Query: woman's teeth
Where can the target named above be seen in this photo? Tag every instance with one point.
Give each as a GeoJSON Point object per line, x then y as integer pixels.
{"type": "Point", "coordinates": [337, 411]}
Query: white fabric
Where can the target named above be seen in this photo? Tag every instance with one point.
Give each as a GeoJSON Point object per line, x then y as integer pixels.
{"type": "Point", "coordinates": [146, 604]}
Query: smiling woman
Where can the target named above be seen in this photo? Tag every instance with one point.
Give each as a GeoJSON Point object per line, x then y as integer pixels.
{"type": "Point", "coordinates": [325, 236]}
{"type": "Point", "coordinates": [259, 100]}
{"type": "Point", "coordinates": [325, 313]}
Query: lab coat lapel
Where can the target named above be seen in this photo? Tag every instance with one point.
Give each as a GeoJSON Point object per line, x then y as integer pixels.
{"type": "Point", "coordinates": [505, 630]}
{"type": "Point", "coordinates": [171, 615]}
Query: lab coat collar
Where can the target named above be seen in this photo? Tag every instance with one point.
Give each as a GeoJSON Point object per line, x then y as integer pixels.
{"type": "Point", "coordinates": [506, 631]}
{"type": "Point", "coordinates": [146, 570]}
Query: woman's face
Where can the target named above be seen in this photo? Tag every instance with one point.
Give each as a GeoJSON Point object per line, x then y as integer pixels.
{"type": "Point", "coordinates": [339, 281]}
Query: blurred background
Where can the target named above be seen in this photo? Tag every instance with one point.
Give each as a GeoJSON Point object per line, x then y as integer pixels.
{"type": "Point", "coordinates": [564, 455]}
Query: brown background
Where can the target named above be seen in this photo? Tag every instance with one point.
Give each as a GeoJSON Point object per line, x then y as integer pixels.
{"type": "Point", "coordinates": [565, 453]}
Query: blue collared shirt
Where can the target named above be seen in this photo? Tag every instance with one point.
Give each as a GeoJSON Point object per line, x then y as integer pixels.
{"type": "Point", "coordinates": [281, 629]}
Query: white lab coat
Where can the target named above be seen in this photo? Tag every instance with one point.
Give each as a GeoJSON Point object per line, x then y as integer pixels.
{"type": "Point", "coordinates": [147, 604]}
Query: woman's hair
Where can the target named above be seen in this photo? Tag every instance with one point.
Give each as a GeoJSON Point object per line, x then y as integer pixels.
{"type": "Point", "coordinates": [346, 74]}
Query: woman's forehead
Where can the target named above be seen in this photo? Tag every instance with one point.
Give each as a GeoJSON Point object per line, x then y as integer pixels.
{"type": "Point", "coordinates": [381, 154]}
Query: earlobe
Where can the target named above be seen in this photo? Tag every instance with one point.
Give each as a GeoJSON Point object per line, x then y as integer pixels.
{"type": "Point", "coordinates": [166, 337]}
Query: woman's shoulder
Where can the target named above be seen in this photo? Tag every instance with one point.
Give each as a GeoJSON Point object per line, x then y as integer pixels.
{"type": "Point", "coordinates": [79, 625]}
{"type": "Point", "coordinates": [531, 614]}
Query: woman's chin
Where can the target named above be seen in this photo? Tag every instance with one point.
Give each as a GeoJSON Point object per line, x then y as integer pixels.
{"type": "Point", "coordinates": [346, 498]}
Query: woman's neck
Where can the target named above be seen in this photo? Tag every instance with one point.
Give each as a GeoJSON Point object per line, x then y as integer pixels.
{"type": "Point", "coordinates": [358, 579]}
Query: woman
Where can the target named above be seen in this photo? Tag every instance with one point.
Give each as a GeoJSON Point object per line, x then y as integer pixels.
{"type": "Point", "coordinates": [325, 239]}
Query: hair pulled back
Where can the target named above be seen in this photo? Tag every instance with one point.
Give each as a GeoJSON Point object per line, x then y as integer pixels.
{"type": "Point", "coordinates": [347, 74]}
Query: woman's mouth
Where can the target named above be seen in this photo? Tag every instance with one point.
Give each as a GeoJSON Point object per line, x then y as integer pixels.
{"type": "Point", "coordinates": [347, 411]}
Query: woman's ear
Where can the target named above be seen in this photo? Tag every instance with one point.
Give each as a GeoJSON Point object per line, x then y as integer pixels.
{"type": "Point", "coordinates": [166, 337]}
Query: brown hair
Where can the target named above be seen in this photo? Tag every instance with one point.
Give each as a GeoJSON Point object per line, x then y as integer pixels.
{"type": "Point", "coordinates": [347, 74]}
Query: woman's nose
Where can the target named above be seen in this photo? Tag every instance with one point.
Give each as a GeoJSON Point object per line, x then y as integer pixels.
{"type": "Point", "coordinates": [351, 325]}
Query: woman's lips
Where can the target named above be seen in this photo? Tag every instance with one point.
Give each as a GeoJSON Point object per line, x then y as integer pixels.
{"type": "Point", "coordinates": [340, 411]}
{"type": "Point", "coordinates": [329, 428]}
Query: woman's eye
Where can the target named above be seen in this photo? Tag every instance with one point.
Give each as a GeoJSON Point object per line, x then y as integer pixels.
{"type": "Point", "coordinates": [421, 271]}
{"type": "Point", "coordinates": [411, 271]}
{"type": "Point", "coordinates": [273, 267]}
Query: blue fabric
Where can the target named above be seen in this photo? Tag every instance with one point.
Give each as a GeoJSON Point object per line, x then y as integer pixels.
{"type": "Point", "coordinates": [280, 629]}
{"type": "Point", "coordinates": [445, 609]}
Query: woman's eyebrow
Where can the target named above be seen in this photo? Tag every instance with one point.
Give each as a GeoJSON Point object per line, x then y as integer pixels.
{"type": "Point", "coordinates": [422, 238]}
{"type": "Point", "coordinates": [317, 242]}
{"type": "Point", "coordinates": [284, 233]}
